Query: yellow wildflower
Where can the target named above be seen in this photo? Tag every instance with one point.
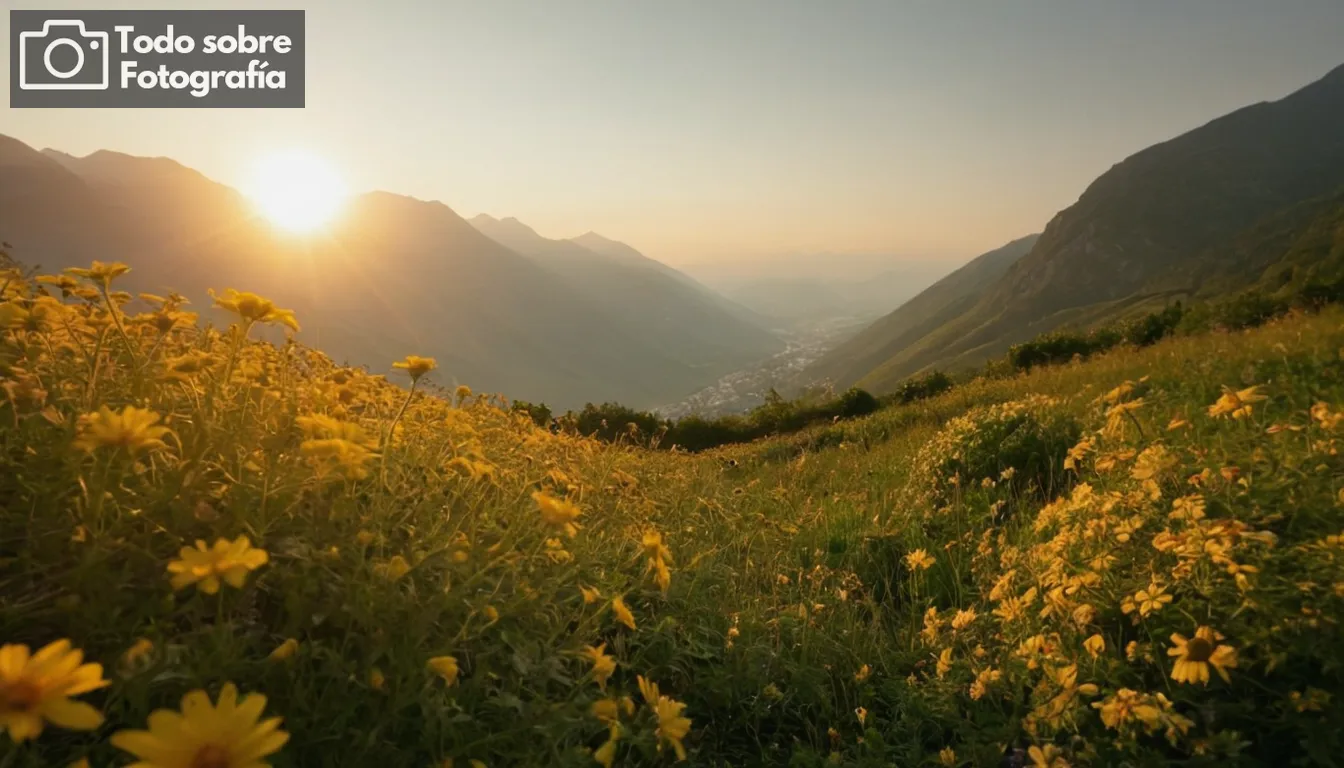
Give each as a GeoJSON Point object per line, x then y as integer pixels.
{"type": "Point", "coordinates": [963, 618]}
{"type": "Point", "coordinates": [672, 725]}
{"type": "Point", "coordinates": [36, 688]}
{"type": "Point", "coordinates": [944, 662]}
{"type": "Point", "coordinates": [1095, 645]}
{"type": "Point", "coordinates": [446, 667]}
{"type": "Point", "coordinates": [590, 594]}
{"type": "Point", "coordinates": [605, 755]}
{"type": "Point", "coordinates": [285, 650]}
{"type": "Point", "coordinates": [416, 366]}
{"type": "Point", "coordinates": [623, 614]}
{"type": "Point", "coordinates": [557, 512]}
{"type": "Point", "coordinates": [393, 569]}
{"type": "Point", "coordinates": [226, 734]}
{"type": "Point", "coordinates": [1196, 655]}
{"type": "Point", "coordinates": [1236, 403]}
{"type": "Point", "coordinates": [862, 714]}
{"type": "Point", "coordinates": [1048, 756]}
{"type": "Point", "coordinates": [228, 561]}
{"type": "Point", "coordinates": [919, 560]}
{"type": "Point", "coordinates": [863, 674]}
{"type": "Point", "coordinates": [252, 308]}
{"type": "Point", "coordinates": [133, 429]}
{"type": "Point", "coordinates": [136, 654]}
{"type": "Point", "coordinates": [603, 665]}
{"type": "Point", "coordinates": [100, 273]}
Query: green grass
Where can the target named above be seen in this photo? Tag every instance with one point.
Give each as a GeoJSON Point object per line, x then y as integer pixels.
{"type": "Point", "coordinates": [789, 570]}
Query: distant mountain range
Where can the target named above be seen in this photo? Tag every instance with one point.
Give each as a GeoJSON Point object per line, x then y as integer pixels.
{"type": "Point", "coordinates": [563, 322]}
{"type": "Point", "coordinates": [1248, 199]}
{"type": "Point", "coordinates": [800, 291]}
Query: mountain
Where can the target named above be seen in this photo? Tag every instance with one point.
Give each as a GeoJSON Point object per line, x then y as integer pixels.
{"type": "Point", "coordinates": [796, 298]}
{"type": "Point", "coordinates": [943, 301]}
{"type": "Point", "coordinates": [670, 312]}
{"type": "Point", "coordinates": [393, 276]}
{"type": "Point", "coordinates": [1140, 230]}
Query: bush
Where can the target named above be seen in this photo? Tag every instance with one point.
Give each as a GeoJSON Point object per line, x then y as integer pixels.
{"type": "Point", "coordinates": [921, 388]}
{"type": "Point", "coordinates": [1018, 446]}
{"type": "Point", "coordinates": [540, 413]}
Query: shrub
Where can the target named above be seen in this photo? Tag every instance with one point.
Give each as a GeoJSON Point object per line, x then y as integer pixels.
{"type": "Point", "coordinates": [1018, 445]}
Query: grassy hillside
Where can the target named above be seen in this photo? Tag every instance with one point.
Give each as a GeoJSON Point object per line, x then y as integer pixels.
{"type": "Point", "coordinates": [1135, 560]}
{"type": "Point", "coordinates": [943, 301]}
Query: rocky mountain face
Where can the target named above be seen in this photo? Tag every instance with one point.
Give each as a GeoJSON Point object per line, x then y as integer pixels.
{"type": "Point", "coordinates": [1142, 227]}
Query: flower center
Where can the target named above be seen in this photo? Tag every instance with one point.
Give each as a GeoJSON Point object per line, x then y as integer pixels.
{"type": "Point", "coordinates": [211, 756]}
{"type": "Point", "coordinates": [19, 696]}
{"type": "Point", "coordinates": [1199, 650]}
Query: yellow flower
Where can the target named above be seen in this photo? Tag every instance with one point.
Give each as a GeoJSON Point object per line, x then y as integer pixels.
{"type": "Point", "coordinates": [377, 680]}
{"type": "Point", "coordinates": [944, 662]}
{"type": "Point", "coordinates": [1128, 705]}
{"type": "Point", "coordinates": [919, 560]}
{"type": "Point", "coordinates": [672, 726]}
{"type": "Point", "coordinates": [862, 714]}
{"type": "Point", "coordinates": [963, 619]}
{"type": "Point", "coordinates": [228, 734]}
{"type": "Point", "coordinates": [622, 612]}
{"type": "Point", "coordinates": [947, 757]}
{"type": "Point", "coordinates": [133, 429]}
{"type": "Point", "coordinates": [226, 560]}
{"type": "Point", "coordinates": [1095, 645]}
{"type": "Point", "coordinates": [416, 366]}
{"type": "Point", "coordinates": [393, 569]}
{"type": "Point", "coordinates": [252, 308]}
{"type": "Point", "coordinates": [1196, 655]}
{"type": "Point", "coordinates": [590, 594]}
{"type": "Point", "coordinates": [446, 667]}
{"type": "Point", "coordinates": [560, 513]}
{"type": "Point", "coordinates": [285, 650]}
{"type": "Point", "coordinates": [864, 672]}
{"type": "Point", "coordinates": [337, 455]}
{"type": "Point", "coordinates": [100, 273]}
{"type": "Point", "coordinates": [136, 654]}
{"type": "Point", "coordinates": [1048, 756]}
{"type": "Point", "coordinates": [986, 678]}
{"type": "Point", "coordinates": [603, 665]}
{"type": "Point", "coordinates": [605, 755]}
{"type": "Point", "coordinates": [1236, 403]}
{"type": "Point", "coordinates": [35, 689]}
{"type": "Point", "coordinates": [1147, 601]}
{"type": "Point", "coordinates": [322, 427]}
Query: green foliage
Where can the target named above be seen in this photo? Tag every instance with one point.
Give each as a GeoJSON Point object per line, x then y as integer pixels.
{"type": "Point", "coordinates": [801, 624]}
{"type": "Point", "coordinates": [919, 388]}
{"type": "Point", "coordinates": [540, 413]}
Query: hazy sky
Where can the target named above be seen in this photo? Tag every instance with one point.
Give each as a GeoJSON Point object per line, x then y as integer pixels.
{"type": "Point", "coordinates": [700, 131]}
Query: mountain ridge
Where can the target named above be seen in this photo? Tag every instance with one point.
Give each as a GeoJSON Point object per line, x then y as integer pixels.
{"type": "Point", "coordinates": [1138, 222]}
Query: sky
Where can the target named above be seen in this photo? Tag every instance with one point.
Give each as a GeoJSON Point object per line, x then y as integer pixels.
{"type": "Point", "coordinates": [736, 133]}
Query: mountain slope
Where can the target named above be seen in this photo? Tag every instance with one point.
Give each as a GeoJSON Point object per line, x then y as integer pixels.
{"type": "Point", "coordinates": [674, 316]}
{"type": "Point", "coordinates": [937, 304]}
{"type": "Point", "coordinates": [1141, 223]}
{"type": "Point", "coordinates": [393, 276]}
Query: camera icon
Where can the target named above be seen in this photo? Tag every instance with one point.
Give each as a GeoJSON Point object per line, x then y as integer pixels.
{"type": "Point", "coordinates": [64, 56]}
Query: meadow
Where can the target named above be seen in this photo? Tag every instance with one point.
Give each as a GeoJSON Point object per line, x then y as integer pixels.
{"type": "Point", "coordinates": [216, 552]}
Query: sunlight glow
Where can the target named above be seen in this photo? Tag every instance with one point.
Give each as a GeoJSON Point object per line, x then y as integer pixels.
{"type": "Point", "coordinates": [297, 190]}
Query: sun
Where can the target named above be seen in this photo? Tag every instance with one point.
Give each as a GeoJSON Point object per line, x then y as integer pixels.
{"type": "Point", "coordinates": [297, 190]}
